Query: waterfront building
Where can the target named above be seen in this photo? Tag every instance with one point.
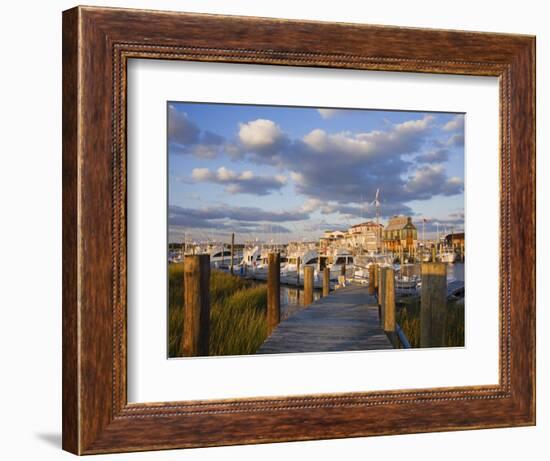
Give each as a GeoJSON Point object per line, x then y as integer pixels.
{"type": "Point", "coordinates": [329, 240]}
{"type": "Point", "coordinates": [455, 240]}
{"type": "Point", "coordinates": [364, 237]}
{"type": "Point", "coordinates": [400, 234]}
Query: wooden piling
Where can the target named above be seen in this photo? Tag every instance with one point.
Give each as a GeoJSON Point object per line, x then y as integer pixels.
{"type": "Point", "coordinates": [381, 293]}
{"type": "Point", "coordinates": [326, 281]}
{"type": "Point", "coordinates": [389, 300]}
{"type": "Point", "coordinates": [308, 285]}
{"type": "Point", "coordinates": [232, 250]}
{"type": "Point", "coordinates": [371, 279]}
{"type": "Point", "coordinates": [196, 298]}
{"type": "Point", "coordinates": [342, 277]}
{"type": "Point", "coordinates": [434, 254]}
{"type": "Point", "coordinates": [298, 271]}
{"type": "Point", "coordinates": [273, 291]}
{"type": "Point", "coordinates": [433, 305]}
{"type": "Point", "coordinates": [376, 277]}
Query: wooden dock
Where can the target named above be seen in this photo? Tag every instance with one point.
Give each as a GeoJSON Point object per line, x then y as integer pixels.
{"type": "Point", "coordinates": [346, 320]}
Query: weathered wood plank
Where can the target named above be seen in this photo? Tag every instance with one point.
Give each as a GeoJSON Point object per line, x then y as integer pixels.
{"type": "Point", "coordinates": [346, 320]}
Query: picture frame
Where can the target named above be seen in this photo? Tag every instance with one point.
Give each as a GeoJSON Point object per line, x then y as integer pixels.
{"type": "Point", "coordinates": [97, 44]}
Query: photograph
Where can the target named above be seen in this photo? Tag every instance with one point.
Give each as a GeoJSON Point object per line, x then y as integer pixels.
{"type": "Point", "coordinates": [309, 229]}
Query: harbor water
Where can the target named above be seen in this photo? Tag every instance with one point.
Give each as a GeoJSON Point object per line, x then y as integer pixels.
{"type": "Point", "coordinates": [292, 299]}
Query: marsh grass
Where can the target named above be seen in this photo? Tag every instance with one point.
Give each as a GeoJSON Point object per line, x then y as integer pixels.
{"type": "Point", "coordinates": [237, 314]}
{"type": "Point", "coordinates": [408, 318]}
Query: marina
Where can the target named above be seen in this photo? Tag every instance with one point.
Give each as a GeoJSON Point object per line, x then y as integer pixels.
{"type": "Point", "coordinates": [348, 253]}
{"type": "Point", "coordinates": [353, 316]}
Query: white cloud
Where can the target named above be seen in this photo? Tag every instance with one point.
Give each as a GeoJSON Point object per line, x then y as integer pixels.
{"type": "Point", "coordinates": [414, 126]}
{"type": "Point", "coordinates": [403, 137]}
{"type": "Point", "coordinates": [202, 174]}
{"type": "Point", "coordinates": [245, 182]}
{"type": "Point", "coordinates": [259, 134]}
{"type": "Point", "coordinates": [430, 180]}
{"type": "Point", "coordinates": [225, 174]}
{"type": "Point", "coordinates": [455, 124]}
{"type": "Point", "coordinates": [186, 138]}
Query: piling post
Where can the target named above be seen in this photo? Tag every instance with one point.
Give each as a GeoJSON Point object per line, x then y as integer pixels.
{"type": "Point", "coordinates": [273, 291]}
{"type": "Point", "coordinates": [232, 251]}
{"type": "Point", "coordinates": [381, 293]}
{"type": "Point", "coordinates": [298, 271]}
{"type": "Point", "coordinates": [342, 280]}
{"type": "Point", "coordinates": [434, 253]}
{"type": "Point", "coordinates": [376, 277]}
{"type": "Point", "coordinates": [389, 300]}
{"type": "Point", "coordinates": [433, 305]}
{"type": "Point", "coordinates": [196, 298]}
{"type": "Point", "coordinates": [372, 287]}
{"type": "Point", "coordinates": [326, 281]}
{"type": "Point", "coordinates": [308, 285]}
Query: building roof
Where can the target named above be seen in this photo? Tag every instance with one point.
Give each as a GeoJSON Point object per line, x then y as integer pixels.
{"type": "Point", "coordinates": [399, 222]}
{"type": "Point", "coordinates": [366, 223]}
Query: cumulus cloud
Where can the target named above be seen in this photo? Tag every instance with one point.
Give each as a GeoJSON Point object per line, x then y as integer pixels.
{"type": "Point", "coordinates": [456, 140]}
{"type": "Point", "coordinates": [181, 130]}
{"type": "Point", "coordinates": [433, 156]}
{"type": "Point", "coordinates": [185, 137]}
{"type": "Point", "coordinates": [245, 182]}
{"type": "Point", "coordinates": [455, 124]}
{"type": "Point", "coordinates": [260, 134]}
{"type": "Point", "coordinates": [345, 166]}
{"type": "Point", "coordinates": [430, 180]}
{"type": "Point", "coordinates": [402, 138]}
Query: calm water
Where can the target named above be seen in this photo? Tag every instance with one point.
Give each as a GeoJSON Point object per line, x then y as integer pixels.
{"type": "Point", "coordinates": [456, 271]}
{"type": "Point", "coordinates": [292, 299]}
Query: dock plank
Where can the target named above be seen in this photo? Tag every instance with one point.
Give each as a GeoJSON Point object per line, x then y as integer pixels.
{"type": "Point", "coordinates": [346, 320]}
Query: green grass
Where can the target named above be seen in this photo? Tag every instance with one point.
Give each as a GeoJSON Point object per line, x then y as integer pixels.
{"type": "Point", "coordinates": [408, 318]}
{"type": "Point", "coordinates": [237, 314]}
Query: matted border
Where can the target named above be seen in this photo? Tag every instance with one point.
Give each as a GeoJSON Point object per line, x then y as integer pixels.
{"type": "Point", "coordinates": [97, 45]}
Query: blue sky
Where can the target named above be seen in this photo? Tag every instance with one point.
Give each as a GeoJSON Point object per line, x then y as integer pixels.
{"type": "Point", "coordinates": [288, 173]}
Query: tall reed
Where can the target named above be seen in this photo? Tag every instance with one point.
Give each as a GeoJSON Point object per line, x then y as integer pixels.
{"type": "Point", "coordinates": [408, 318]}
{"type": "Point", "coordinates": [237, 314]}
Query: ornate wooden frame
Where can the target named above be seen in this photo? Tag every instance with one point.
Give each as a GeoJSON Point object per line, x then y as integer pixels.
{"type": "Point", "coordinates": [97, 43]}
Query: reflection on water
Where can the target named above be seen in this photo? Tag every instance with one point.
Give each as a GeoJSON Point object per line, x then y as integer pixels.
{"type": "Point", "coordinates": [292, 300]}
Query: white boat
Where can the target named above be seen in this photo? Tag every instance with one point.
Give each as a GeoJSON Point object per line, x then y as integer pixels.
{"type": "Point", "coordinates": [220, 257]}
{"type": "Point", "coordinates": [447, 256]}
{"type": "Point", "coordinates": [342, 258]}
{"type": "Point", "coordinates": [252, 257]}
{"type": "Point", "coordinates": [293, 270]}
{"type": "Point", "coordinates": [174, 257]}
